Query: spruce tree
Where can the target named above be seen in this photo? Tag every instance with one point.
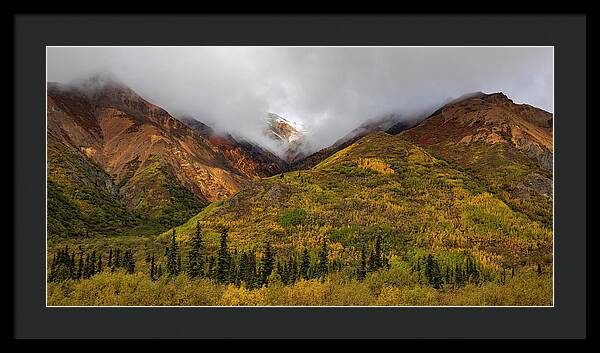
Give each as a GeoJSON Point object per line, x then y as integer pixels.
{"type": "Point", "coordinates": [129, 261]}
{"type": "Point", "coordinates": [93, 263]}
{"type": "Point", "coordinates": [377, 258]}
{"type": "Point", "coordinates": [99, 267]}
{"type": "Point", "coordinates": [432, 272]}
{"type": "Point", "coordinates": [251, 268]}
{"type": "Point", "coordinates": [233, 271]}
{"type": "Point", "coordinates": [80, 265]}
{"type": "Point", "coordinates": [195, 266]}
{"type": "Point", "coordinates": [266, 264]}
{"type": "Point", "coordinates": [223, 260]}
{"type": "Point", "coordinates": [323, 260]}
{"type": "Point", "coordinates": [72, 269]}
{"type": "Point", "coordinates": [152, 268]}
{"type": "Point", "coordinates": [110, 258]}
{"type": "Point", "coordinates": [304, 264]}
{"type": "Point", "coordinates": [292, 270]}
{"type": "Point", "coordinates": [362, 273]}
{"type": "Point", "coordinates": [117, 258]}
{"type": "Point", "coordinates": [172, 257]}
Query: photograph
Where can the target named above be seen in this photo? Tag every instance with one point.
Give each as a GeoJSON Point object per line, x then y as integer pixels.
{"type": "Point", "coordinates": [299, 176]}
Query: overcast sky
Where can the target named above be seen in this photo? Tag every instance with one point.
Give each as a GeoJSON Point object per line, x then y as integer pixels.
{"type": "Point", "coordinates": [330, 90]}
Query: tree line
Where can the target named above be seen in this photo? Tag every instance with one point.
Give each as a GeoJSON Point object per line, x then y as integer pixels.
{"type": "Point", "coordinates": [79, 265]}
{"type": "Point", "coordinates": [232, 267]}
{"type": "Point", "coordinates": [226, 266]}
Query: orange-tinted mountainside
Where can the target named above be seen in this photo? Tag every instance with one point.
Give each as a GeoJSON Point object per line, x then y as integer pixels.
{"type": "Point", "coordinates": [121, 131]}
{"type": "Point", "coordinates": [157, 166]}
{"type": "Point", "coordinates": [507, 145]}
{"type": "Point", "coordinates": [253, 160]}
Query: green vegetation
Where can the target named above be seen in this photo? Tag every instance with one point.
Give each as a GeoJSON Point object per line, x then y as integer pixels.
{"type": "Point", "coordinates": [393, 287]}
{"type": "Point", "coordinates": [500, 168]}
{"type": "Point", "coordinates": [382, 222]}
{"type": "Point", "coordinates": [158, 195]}
{"type": "Point", "coordinates": [84, 201]}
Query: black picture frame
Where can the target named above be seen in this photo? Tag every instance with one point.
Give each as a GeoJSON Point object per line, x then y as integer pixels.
{"type": "Point", "coordinates": [566, 319]}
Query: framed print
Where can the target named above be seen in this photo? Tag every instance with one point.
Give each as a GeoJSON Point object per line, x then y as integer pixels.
{"type": "Point", "coordinates": [292, 179]}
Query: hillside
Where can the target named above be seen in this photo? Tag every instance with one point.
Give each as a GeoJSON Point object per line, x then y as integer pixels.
{"type": "Point", "coordinates": [160, 168]}
{"type": "Point", "coordinates": [392, 123]}
{"type": "Point", "coordinates": [382, 185]}
{"type": "Point", "coordinates": [448, 212]}
{"type": "Point", "coordinates": [250, 158]}
{"type": "Point", "coordinates": [507, 146]}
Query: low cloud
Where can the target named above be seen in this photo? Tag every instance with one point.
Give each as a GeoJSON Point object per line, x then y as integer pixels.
{"type": "Point", "coordinates": [330, 90]}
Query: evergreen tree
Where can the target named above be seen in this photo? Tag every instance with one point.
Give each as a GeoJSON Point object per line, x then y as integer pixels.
{"type": "Point", "coordinates": [173, 257]}
{"type": "Point", "coordinates": [93, 263]}
{"type": "Point", "coordinates": [117, 258]}
{"type": "Point", "coordinates": [72, 270]}
{"type": "Point", "coordinates": [322, 267]}
{"type": "Point", "coordinates": [362, 273]}
{"type": "Point", "coordinates": [129, 261]}
{"type": "Point", "coordinates": [110, 258]}
{"type": "Point", "coordinates": [223, 260]}
{"type": "Point", "coordinates": [266, 264]}
{"type": "Point", "coordinates": [304, 264]}
{"type": "Point", "coordinates": [377, 258]}
{"type": "Point", "coordinates": [233, 270]}
{"type": "Point", "coordinates": [432, 272]}
{"type": "Point", "coordinates": [99, 267]}
{"type": "Point", "coordinates": [195, 266]}
{"type": "Point", "coordinates": [250, 276]}
{"type": "Point", "coordinates": [292, 270]}
{"type": "Point", "coordinates": [152, 268]}
{"type": "Point", "coordinates": [80, 265]}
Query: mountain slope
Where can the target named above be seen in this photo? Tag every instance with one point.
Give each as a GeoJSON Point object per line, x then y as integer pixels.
{"type": "Point", "coordinates": [82, 198]}
{"type": "Point", "coordinates": [161, 168]}
{"type": "Point", "coordinates": [249, 158]}
{"type": "Point", "coordinates": [385, 123]}
{"type": "Point", "coordinates": [386, 186]}
{"type": "Point", "coordinates": [506, 145]}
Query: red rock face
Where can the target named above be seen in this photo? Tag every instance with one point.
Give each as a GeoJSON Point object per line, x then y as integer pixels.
{"type": "Point", "coordinates": [507, 145]}
{"type": "Point", "coordinates": [121, 131]}
{"type": "Point", "coordinates": [250, 159]}
{"type": "Point", "coordinates": [490, 119]}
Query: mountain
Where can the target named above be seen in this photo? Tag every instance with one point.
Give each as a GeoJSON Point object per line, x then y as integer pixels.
{"type": "Point", "coordinates": [382, 185]}
{"type": "Point", "coordinates": [455, 210]}
{"type": "Point", "coordinates": [392, 123]}
{"type": "Point", "coordinates": [289, 135]}
{"type": "Point", "coordinates": [158, 167]}
{"type": "Point", "coordinates": [470, 181]}
{"type": "Point", "coordinates": [248, 157]}
{"type": "Point", "coordinates": [508, 146]}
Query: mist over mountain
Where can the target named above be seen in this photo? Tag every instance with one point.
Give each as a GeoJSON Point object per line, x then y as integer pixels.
{"type": "Point", "coordinates": [329, 91]}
